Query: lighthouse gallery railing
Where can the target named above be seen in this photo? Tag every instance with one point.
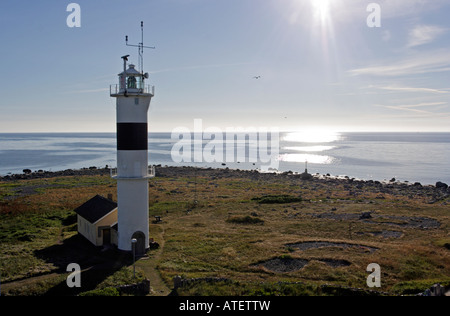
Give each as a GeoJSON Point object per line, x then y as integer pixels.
{"type": "Point", "coordinates": [150, 172]}
{"type": "Point", "coordinates": [115, 89]}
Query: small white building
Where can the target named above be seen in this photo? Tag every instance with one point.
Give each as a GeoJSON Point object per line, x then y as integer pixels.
{"type": "Point", "coordinates": [97, 221]}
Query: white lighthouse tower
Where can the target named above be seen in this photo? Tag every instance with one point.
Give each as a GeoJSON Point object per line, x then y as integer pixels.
{"type": "Point", "coordinates": [133, 101]}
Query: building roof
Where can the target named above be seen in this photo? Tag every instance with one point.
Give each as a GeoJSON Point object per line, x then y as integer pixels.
{"type": "Point", "coordinates": [96, 208]}
{"type": "Point", "coordinates": [131, 71]}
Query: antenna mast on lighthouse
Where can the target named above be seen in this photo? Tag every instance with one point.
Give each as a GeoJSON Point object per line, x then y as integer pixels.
{"type": "Point", "coordinates": [140, 47]}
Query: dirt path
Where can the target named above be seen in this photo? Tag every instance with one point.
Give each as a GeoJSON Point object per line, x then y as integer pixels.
{"type": "Point", "coordinates": [17, 285]}
{"type": "Point", "coordinates": [148, 265]}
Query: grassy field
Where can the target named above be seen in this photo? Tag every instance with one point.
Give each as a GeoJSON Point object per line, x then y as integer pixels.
{"type": "Point", "coordinates": [245, 230]}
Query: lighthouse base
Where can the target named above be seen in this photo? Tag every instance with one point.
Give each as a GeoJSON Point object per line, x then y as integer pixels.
{"type": "Point", "coordinates": [133, 221]}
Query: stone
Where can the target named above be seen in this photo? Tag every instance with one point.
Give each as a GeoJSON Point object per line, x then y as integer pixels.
{"type": "Point", "coordinates": [441, 185]}
{"type": "Point", "coordinates": [306, 176]}
{"type": "Point", "coordinates": [177, 282]}
{"type": "Point", "coordinates": [435, 290]}
{"type": "Point", "coordinates": [365, 215]}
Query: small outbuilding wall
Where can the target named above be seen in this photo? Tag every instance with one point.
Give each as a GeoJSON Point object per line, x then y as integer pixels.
{"type": "Point", "coordinates": [97, 219]}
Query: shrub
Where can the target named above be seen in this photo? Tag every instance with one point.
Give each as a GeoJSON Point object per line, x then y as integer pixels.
{"type": "Point", "coordinates": [277, 199]}
{"type": "Point", "coordinates": [245, 220]}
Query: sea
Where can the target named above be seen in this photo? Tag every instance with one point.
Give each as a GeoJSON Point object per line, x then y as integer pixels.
{"type": "Point", "coordinates": [405, 157]}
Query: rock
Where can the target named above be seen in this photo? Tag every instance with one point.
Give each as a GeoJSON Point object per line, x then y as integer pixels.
{"type": "Point", "coordinates": [435, 290]}
{"type": "Point", "coordinates": [306, 176]}
{"type": "Point", "coordinates": [177, 282]}
{"type": "Point", "coordinates": [441, 185]}
{"type": "Point", "coordinates": [365, 215]}
{"type": "Point", "coordinates": [154, 245]}
{"type": "Point", "coordinates": [26, 171]}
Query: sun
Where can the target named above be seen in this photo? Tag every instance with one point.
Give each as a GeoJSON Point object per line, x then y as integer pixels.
{"type": "Point", "coordinates": [321, 9]}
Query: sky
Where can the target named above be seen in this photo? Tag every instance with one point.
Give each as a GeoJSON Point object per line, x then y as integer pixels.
{"type": "Point", "coordinates": [321, 65]}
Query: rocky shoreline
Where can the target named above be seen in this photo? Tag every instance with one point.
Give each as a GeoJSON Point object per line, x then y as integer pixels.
{"type": "Point", "coordinates": [433, 193]}
{"type": "Point", "coordinates": [41, 174]}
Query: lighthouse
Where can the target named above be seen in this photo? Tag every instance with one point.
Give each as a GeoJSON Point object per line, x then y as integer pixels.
{"type": "Point", "coordinates": [133, 98]}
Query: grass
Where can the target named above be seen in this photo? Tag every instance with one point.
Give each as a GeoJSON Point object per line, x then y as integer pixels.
{"type": "Point", "coordinates": [108, 291]}
{"type": "Point", "coordinates": [418, 286]}
{"type": "Point", "coordinates": [233, 288]}
{"type": "Point", "coordinates": [236, 222]}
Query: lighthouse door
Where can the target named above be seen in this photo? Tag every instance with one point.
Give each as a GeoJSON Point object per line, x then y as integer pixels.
{"type": "Point", "coordinates": [140, 244]}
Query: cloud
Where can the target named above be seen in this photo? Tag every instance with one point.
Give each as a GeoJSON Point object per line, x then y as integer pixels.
{"type": "Point", "coordinates": [424, 34]}
{"type": "Point", "coordinates": [410, 89]}
{"type": "Point", "coordinates": [414, 108]}
{"type": "Point", "coordinates": [430, 62]}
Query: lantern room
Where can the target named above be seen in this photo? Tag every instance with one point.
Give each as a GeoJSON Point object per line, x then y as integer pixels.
{"type": "Point", "coordinates": [131, 82]}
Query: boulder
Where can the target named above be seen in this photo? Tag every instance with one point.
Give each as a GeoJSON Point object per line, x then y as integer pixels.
{"type": "Point", "coordinates": [441, 185]}
{"type": "Point", "coordinates": [306, 176]}
{"type": "Point", "coordinates": [154, 245]}
{"type": "Point", "coordinates": [365, 215]}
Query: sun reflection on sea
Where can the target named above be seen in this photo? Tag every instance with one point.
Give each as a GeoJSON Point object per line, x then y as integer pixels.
{"type": "Point", "coordinates": [310, 158]}
{"type": "Point", "coordinates": [309, 148]}
{"type": "Point", "coordinates": [312, 145]}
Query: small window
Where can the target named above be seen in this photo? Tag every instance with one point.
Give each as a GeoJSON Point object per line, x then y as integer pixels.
{"type": "Point", "coordinates": [136, 101]}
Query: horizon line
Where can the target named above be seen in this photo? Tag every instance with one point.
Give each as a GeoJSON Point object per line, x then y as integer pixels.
{"type": "Point", "coordinates": [244, 131]}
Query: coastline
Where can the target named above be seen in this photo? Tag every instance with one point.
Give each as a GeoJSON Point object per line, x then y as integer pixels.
{"type": "Point", "coordinates": [432, 193]}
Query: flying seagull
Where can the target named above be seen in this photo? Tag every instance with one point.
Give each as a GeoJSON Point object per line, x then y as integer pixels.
{"type": "Point", "coordinates": [256, 77]}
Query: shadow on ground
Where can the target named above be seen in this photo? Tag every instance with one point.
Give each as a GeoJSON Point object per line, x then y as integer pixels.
{"type": "Point", "coordinates": [96, 264]}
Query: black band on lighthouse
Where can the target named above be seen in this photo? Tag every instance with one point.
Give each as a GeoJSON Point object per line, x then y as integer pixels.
{"type": "Point", "coordinates": [132, 136]}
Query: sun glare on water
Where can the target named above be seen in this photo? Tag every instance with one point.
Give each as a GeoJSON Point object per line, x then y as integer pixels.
{"type": "Point", "coordinates": [309, 146]}
{"type": "Point", "coordinates": [313, 136]}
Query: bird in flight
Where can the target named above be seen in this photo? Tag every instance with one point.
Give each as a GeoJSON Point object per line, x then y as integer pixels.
{"type": "Point", "coordinates": [256, 77]}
